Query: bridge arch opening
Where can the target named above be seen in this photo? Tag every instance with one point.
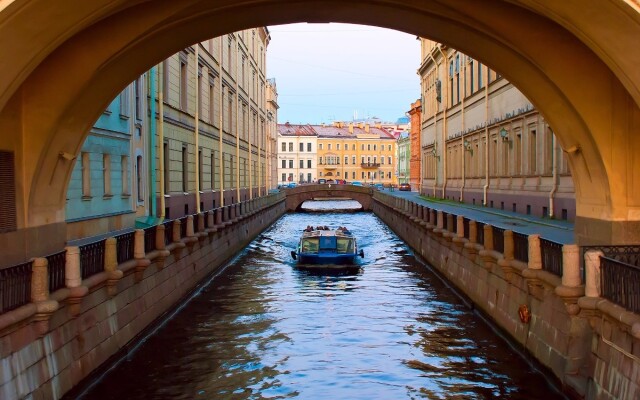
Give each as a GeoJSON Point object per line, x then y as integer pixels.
{"type": "Point", "coordinates": [577, 66]}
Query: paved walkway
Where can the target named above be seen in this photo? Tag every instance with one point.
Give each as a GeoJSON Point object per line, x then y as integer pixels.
{"type": "Point", "coordinates": [555, 230]}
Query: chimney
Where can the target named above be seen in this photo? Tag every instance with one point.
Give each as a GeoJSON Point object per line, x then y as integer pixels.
{"type": "Point", "coordinates": [379, 125]}
{"type": "Point", "coordinates": [367, 128]}
{"type": "Point", "coordinates": [350, 127]}
{"type": "Point", "coordinates": [360, 125]}
{"type": "Point", "coordinates": [336, 124]}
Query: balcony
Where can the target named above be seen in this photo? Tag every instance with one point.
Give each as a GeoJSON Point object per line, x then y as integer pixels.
{"type": "Point", "coordinates": [370, 165]}
{"type": "Point", "coordinates": [329, 167]}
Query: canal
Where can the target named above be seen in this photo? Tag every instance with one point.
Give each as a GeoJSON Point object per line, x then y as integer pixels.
{"type": "Point", "coordinates": [264, 329]}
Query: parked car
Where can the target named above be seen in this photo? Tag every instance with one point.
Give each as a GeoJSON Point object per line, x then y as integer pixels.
{"type": "Point", "coordinates": [356, 183]}
{"type": "Point", "coordinates": [378, 186]}
{"type": "Point", "coordinates": [292, 185]}
{"type": "Point", "coordinates": [405, 187]}
{"type": "Point", "coordinates": [322, 181]}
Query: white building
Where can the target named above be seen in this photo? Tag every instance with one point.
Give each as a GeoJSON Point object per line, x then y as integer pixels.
{"type": "Point", "coordinates": [297, 154]}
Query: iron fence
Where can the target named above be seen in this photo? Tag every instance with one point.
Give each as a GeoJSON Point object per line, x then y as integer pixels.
{"type": "Point", "coordinates": [454, 222]}
{"type": "Point", "coordinates": [91, 258]}
{"type": "Point", "coordinates": [465, 224]}
{"type": "Point", "coordinates": [627, 254]}
{"type": "Point", "coordinates": [206, 221]}
{"type": "Point", "coordinates": [521, 247]}
{"type": "Point", "coordinates": [551, 256]}
{"type": "Point", "coordinates": [125, 246]}
{"type": "Point", "coordinates": [168, 232]}
{"type": "Point", "coordinates": [150, 239]}
{"type": "Point", "coordinates": [57, 266]}
{"type": "Point", "coordinates": [620, 283]}
{"type": "Point", "coordinates": [498, 239]}
{"type": "Point", "coordinates": [444, 220]}
{"type": "Point", "coordinates": [480, 233]}
{"type": "Point", "coordinates": [15, 286]}
{"type": "Point", "coordinates": [183, 226]}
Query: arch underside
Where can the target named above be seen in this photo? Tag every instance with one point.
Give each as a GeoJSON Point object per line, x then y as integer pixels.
{"type": "Point", "coordinates": [577, 64]}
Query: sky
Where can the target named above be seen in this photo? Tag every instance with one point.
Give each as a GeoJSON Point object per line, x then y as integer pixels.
{"type": "Point", "coordinates": [341, 72]}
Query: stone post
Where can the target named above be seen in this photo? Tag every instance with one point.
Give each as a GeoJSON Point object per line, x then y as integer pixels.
{"type": "Point", "coordinates": [508, 245]}
{"type": "Point", "coordinates": [138, 244]}
{"type": "Point", "coordinates": [460, 228]}
{"type": "Point", "coordinates": [111, 265]}
{"type": "Point", "coordinates": [190, 231]}
{"type": "Point", "coordinates": [571, 289]}
{"type": "Point", "coordinates": [450, 222]}
{"type": "Point", "coordinates": [571, 265]}
{"type": "Point", "coordinates": [488, 237]}
{"type": "Point", "coordinates": [592, 265]}
{"type": "Point", "coordinates": [432, 216]}
{"type": "Point", "coordinates": [176, 230]}
{"type": "Point", "coordinates": [218, 212]}
{"type": "Point", "coordinates": [440, 223]}
{"type": "Point", "coordinates": [232, 212]}
{"type": "Point", "coordinates": [160, 245]}
{"type": "Point", "coordinates": [210, 218]}
{"type": "Point", "coordinates": [238, 211]}
{"type": "Point", "coordinates": [535, 253]}
{"type": "Point", "coordinates": [72, 274]}
{"type": "Point", "coordinates": [40, 295]}
{"type": "Point", "coordinates": [473, 231]}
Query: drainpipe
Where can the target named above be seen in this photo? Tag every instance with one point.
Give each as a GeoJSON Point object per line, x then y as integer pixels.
{"type": "Point", "coordinates": [250, 164]}
{"type": "Point", "coordinates": [435, 121]}
{"type": "Point", "coordinates": [486, 133]}
{"type": "Point", "coordinates": [444, 131]}
{"type": "Point", "coordinates": [237, 128]}
{"type": "Point", "coordinates": [220, 129]}
{"type": "Point", "coordinates": [161, 154]}
{"type": "Point", "coordinates": [464, 150]}
{"type": "Point", "coordinates": [555, 174]}
{"type": "Point", "coordinates": [152, 140]}
{"type": "Point", "coordinates": [196, 132]}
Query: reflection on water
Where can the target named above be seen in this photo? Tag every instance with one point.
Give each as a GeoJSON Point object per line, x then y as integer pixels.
{"type": "Point", "coordinates": [265, 329]}
{"type": "Point", "coordinates": [332, 205]}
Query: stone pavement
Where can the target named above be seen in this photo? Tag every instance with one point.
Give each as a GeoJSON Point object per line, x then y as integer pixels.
{"type": "Point", "coordinates": [555, 230]}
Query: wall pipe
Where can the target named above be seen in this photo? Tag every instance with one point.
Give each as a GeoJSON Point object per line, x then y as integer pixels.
{"type": "Point", "coordinates": [152, 141]}
{"type": "Point", "coordinates": [554, 166]}
{"type": "Point", "coordinates": [237, 126]}
{"type": "Point", "coordinates": [196, 130]}
{"type": "Point", "coordinates": [464, 150]}
{"type": "Point", "coordinates": [435, 121]}
{"type": "Point", "coordinates": [485, 188]}
{"type": "Point", "coordinates": [221, 130]}
{"type": "Point", "coordinates": [444, 131]}
{"type": "Point", "coordinates": [161, 154]}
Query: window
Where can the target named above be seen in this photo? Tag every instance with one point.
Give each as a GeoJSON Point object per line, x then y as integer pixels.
{"type": "Point", "coordinates": [106, 173]}
{"type": "Point", "coordinates": [183, 85]}
{"type": "Point", "coordinates": [338, 146]}
{"type": "Point", "coordinates": [124, 170]}
{"type": "Point", "coordinates": [86, 175]}
{"type": "Point", "coordinates": [199, 89]}
{"type": "Point", "coordinates": [479, 72]}
{"type": "Point", "coordinates": [346, 160]}
{"type": "Point", "coordinates": [137, 93]}
{"type": "Point", "coordinates": [139, 188]}
{"type": "Point", "coordinates": [301, 164]}
{"type": "Point", "coordinates": [167, 164]}
{"type": "Point", "coordinates": [375, 147]}
{"type": "Point", "coordinates": [230, 112]}
{"type": "Point", "coordinates": [390, 160]}
{"type": "Point", "coordinates": [362, 147]}
{"type": "Point", "coordinates": [382, 160]}
{"type": "Point", "coordinates": [212, 96]}
{"type": "Point", "coordinates": [308, 163]}
{"type": "Point", "coordinates": [185, 167]}
{"type": "Point", "coordinates": [301, 146]}
{"type": "Point", "coordinates": [291, 177]}
{"type": "Point", "coordinates": [284, 177]}
{"type": "Point", "coordinates": [301, 177]}
{"type": "Point", "coordinates": [213, 171]}
{"type": "Point", "coordinates": [368, 147]}
{"type": "Point", "coordinates": [291, 147]}
{"type": "Point", "coordinates": [320, 160]}
{"type": "Point", "coordinates": [533, 152]}
{"type": "Point", "coordinates": [319, 146]}
{"type": "Point", "coordinates": [362, 160]}
{"type": "Point", "coordinates": [309, 177]}
{"type": "Point", "coordinates": [284, 146]}
{"type": "Point", "coordinates": [548, 151]}
{"type": "Point", "coordinates": [124, 103]}
{"type": "Point", "coordinates": [284, 163]}
{"type": "Point", "coordinates": [309, 147]}
{"type": "Point", "coordinates": [329, 146]}
{"type": "Point", "coordinates": [290, 163]}
{"type": "Point", "coordinates": [353, 147]}
{"type": "Point", "coordinates": [471, 75]}
{"type": "Point", "coordinates": [200, 162]}
{"type": "Point", "coordinates": [353, 175]}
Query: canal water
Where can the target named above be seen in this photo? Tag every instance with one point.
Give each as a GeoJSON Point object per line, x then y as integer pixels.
{"type": "Point", "coordinates": [264, 329]}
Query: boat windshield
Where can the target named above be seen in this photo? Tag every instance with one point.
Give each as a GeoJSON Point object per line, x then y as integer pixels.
{"type": "Point", "coordinates": [310, 245]}
{"type": "Point", "coordinates": [344, 245]}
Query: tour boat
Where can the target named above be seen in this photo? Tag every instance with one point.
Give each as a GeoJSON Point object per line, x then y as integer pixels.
{"type": "Point", "coordinates": [327, 248]}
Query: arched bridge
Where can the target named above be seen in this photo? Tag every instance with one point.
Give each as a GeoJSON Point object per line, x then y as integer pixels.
{"type": "Point", "coordinates": [298, 195]}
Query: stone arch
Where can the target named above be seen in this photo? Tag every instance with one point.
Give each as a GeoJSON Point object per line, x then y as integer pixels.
{"type": "Point", "coordinates": [577, 64]}
{"type": "Point", "coordinates": [298, 195]}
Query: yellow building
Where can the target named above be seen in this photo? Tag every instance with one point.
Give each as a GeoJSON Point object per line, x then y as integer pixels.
{"type": "Point", "coordinates": [356, 152]}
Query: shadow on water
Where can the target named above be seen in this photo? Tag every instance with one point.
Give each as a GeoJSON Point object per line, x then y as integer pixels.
{"type": "Point", "coordinates": [266, 329]}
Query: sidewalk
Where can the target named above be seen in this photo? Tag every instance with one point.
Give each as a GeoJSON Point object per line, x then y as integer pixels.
{"type": "Point", "coordinates": [554, 230]}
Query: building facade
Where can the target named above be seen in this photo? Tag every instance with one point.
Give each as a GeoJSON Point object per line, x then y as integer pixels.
{"type": "Point", "coordinates": [484, 143]}
{"type": "Point", "coordinates": [297, 154]}
{"type": "Point", "coordinates": [415, 117]}
{"type": "Point", "coordinates": [404, 157]}
{"type": "Point", "coordinates": [272, 133]}
{"type": "Point", "coordinates": [106, 191]}
{"type": "Point", "coordinates": [217, 88]}
{"type": "Point", "coordinates": [350, 152]}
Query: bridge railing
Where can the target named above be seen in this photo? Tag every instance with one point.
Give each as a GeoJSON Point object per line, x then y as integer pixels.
{"type": "Point", "coordinates": [15, 286]}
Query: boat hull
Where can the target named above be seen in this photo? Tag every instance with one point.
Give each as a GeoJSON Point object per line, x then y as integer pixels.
{"type": "Point", "coordinates": [327, 259]}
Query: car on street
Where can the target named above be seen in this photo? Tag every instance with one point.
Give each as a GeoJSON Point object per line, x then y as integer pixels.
{"type": "Point", "coordinates": [322, 181]}
{"type": "Point", "coordinates": [292, 185]}
{"type": "Point", "coordinates": [356, 183]}
{"type": "Point", "coordinates": [378, 186]}
{"type": "Point", "coordinates": [405, 187]}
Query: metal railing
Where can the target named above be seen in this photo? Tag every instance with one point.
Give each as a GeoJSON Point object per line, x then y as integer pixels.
{"type": "Point", "coordinates": [480, 233]}
{"type": "Point", "coordinates": [57, 266]}
{"type": "Point", "coordinates": [168, 232]}
{"type": "Point", "coordinates": [551, 253]}
{"type": "Point", "coordinates": [125, 246]}
{"type": "Point", "coordinates": [498, 239]}
{"type": "Point", "coordinates": [15, 286]}
{"type": "Point", "coordinates": [620, 283]}
{"type": "Point", "coordinates": [628, 254]}
{"type": "Point", "coordinates": [92, 258]}
{"type": "Point", "coordinates": [183, 226]}
{"type": "Point", "coordinates": [150, 239]}
{"type": "Point", "coordinates": [521, 247]}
